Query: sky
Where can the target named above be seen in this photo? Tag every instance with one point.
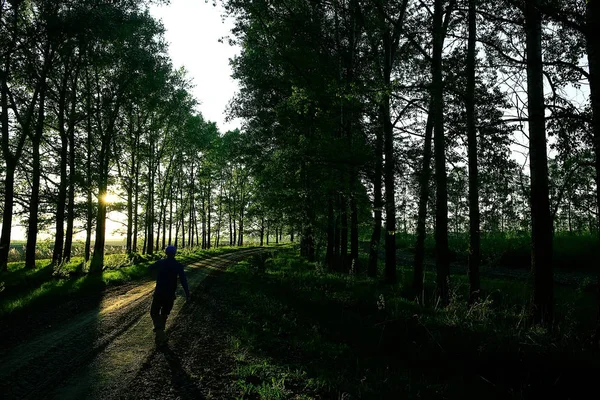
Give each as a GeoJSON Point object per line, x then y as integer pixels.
{"type": "Point", "coordinates": [193, 29]}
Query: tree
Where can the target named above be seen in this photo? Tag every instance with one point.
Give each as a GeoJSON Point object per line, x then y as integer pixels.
{"type": "Point", "coordinates": [541, 252]}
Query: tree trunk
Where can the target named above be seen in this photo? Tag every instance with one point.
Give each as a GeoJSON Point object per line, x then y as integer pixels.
{"type": "Point", "coordinates": [88, 168]}
{"type": "Point", "coordinates": [150, 204]}
{"type": "Point", "coordinates": [424, 178]}
{"type": "Point", "coordinates": [208, 212]}
{"type": "Point", "coordinates": [377, 205]}
{"type": "Point", "coordinates": [57, 252]}
{"type": "Point", "coordinates": [441, 220]}
{"type": "Point", "coordinates": [97, 262]}
{"type": "Point", "coordinates": [474, 236]}
{"type": "Point", "coordinates": [330, 252]}
{"type": "Point", "coordinates": [388, 134]}
{"type": "Point", "coordinates": [344, 234]}
{"type": "Point", "coordinates": [262, 231]}
{"type": "Point", "coordinates": [9, 178]}
{"type": "Point", "coordinates": [34, 202]}
{"type": "Point", "coordinates": [541, 224]}
{"type": "Point", "coordinates": [353, 228]}
{"type": "Point", "coordinates": [72, 172]}
{"type": "Point", "coordinates": [204, 221]}
{"type": "Point", "coordinates": [136, 202]}
{"type": "Point", "coordinates": [593, 49]}
{"type": "Point", "coordinates": [170, 209]}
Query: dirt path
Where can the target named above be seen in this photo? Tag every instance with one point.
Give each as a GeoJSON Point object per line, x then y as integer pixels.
{"type": "Point", "coordinates": [98, 352]}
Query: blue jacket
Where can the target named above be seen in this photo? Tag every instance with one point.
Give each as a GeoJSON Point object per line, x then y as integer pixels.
{"type": "Point", "coordinates": [166, 279]}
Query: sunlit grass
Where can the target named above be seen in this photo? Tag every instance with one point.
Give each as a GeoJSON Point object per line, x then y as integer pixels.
{"type": "Point", "coordinates": [22, 288]}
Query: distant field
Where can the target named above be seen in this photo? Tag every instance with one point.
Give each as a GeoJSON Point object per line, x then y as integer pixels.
{"type": "Point", "coordinates": [45, 247]}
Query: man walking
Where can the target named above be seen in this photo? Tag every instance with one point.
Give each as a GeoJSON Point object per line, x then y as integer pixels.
{"type": "Point", "coordinates": [168, 269]}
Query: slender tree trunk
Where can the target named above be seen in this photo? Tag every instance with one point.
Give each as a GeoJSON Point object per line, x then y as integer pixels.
{"type": "Point", "coordinates": [541, 224]}
{"type": "Point", "coordinates": [441, 220]}
{"type": "Point", "coordinates": [377, 205]}
{"type": "Point", "coordinates": [9, 172]}
{"type": "Point", "coordinates": [32, 226]}
{"type": "Point", "coordinates": [150, 205]}
{"type": "Point", "coordinates": [204, 246]}
{"type": "Point", "coordinates": [72, 173]}
{"type": "Point", "coordinates": [170, 210]}
{"type": "Point", "coordinates": [353, 228]}
{"type": "Point", "coordinates": [330, 252]}
{"type": "Point", "coordinates": [230, 230]}
{"type": "Point", "coordinates": [344, 234]}
{"type": "Point", "coordinates": [241, 231]}
{"type": "Point", "coordinates": [130, 185]}
{"type": "Point", "coordinates": [474, 236]}
{"type": "Point", "coordinates": [208, 212]}
{"type": "Point", "coordinates": [97, 262]}
{"type": "Point", "coordinates": [182, 217]}
{"type": "Point", "coordinates": [88, 168]}
{"type": "Point", "coordinates": [262, 231]}
{"type": "Point", "coordinates": [136, 201]}
{"type": "Point", "coordinates": [9, 185]}
{"type": "Point", "coordinates": [593, 49]}
{"type": "Point", "coordinates": [389, 167]}
{"type": "Point", "coordinates": [424, 178]}
{"type": "Point", "coordinates": [62, 186]}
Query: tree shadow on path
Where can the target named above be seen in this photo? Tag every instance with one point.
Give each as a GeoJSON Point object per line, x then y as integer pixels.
{"type": "Point", "coordinates": [182, 383]}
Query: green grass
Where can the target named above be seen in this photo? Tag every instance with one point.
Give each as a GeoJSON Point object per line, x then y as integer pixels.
{"type": "Point", "coordinates": [23, 289]}
{"type": "Point", "coordinates": [572, 251]}
{"type": "Point", "coordinates": [299, 331]}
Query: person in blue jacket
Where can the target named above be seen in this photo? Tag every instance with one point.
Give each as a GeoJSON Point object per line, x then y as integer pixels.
{"type": "Point", "coordinates": [167, 271]}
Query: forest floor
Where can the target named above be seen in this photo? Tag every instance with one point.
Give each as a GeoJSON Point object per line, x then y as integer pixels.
{"type": "Point", "coordinates": [93, 346]}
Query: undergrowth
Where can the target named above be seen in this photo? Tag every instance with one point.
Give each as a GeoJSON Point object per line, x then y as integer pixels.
{"type": "Point", "coordinates": [301, 332]}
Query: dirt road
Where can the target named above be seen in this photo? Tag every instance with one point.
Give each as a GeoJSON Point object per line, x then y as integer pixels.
{"type": "Point", "coordinates": [98, 352]}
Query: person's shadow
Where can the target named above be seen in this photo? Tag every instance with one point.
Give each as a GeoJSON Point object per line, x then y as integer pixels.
{"type": "Point", "coordinates": [181, 382]}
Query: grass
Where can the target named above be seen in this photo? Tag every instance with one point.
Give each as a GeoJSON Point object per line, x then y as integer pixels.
{"type": "Point", "coordinates": [299, 332]}
{"type": "Point", "coordinates": [572, 251]}
{"type": "Point", "coordinates": [23, 289]}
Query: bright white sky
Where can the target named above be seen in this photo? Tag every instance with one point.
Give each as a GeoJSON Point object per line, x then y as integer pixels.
{"type": "Point", "coordinates": [193, 28]}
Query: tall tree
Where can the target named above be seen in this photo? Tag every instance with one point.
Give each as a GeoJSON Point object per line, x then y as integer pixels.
{"type": "Point", "coordinates": [541, 221]}
{"type": "Point", "coordinates": [474, 234]}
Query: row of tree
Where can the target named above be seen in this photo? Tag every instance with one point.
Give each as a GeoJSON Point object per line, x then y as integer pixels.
{"type": "Point", "coordinates": [371, 107]}
{"type": "Point", "coordinates": [91, 108]}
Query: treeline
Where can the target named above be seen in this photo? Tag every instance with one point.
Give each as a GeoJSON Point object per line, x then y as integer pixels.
{"type": "Point", "coordinates": [411, 111]}
{"type": "Point", "coordinates": [92, 112]}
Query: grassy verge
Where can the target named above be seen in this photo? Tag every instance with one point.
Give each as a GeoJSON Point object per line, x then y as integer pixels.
{"type": "Point", "coordinates": [23, 289]}
{"type": "Point", "coordinates": [299, 332]}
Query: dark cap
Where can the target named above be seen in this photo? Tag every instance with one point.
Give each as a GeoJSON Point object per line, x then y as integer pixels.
{"type": "Point", "coordinates": [170, 250]}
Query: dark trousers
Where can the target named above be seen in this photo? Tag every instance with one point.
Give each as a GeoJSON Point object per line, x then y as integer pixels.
{"type": "Point", "coordinates": [160, 309]}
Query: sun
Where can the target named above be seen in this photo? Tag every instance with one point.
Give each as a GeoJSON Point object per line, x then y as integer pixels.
{"type": "Point", "coordinates": [110, 198]}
